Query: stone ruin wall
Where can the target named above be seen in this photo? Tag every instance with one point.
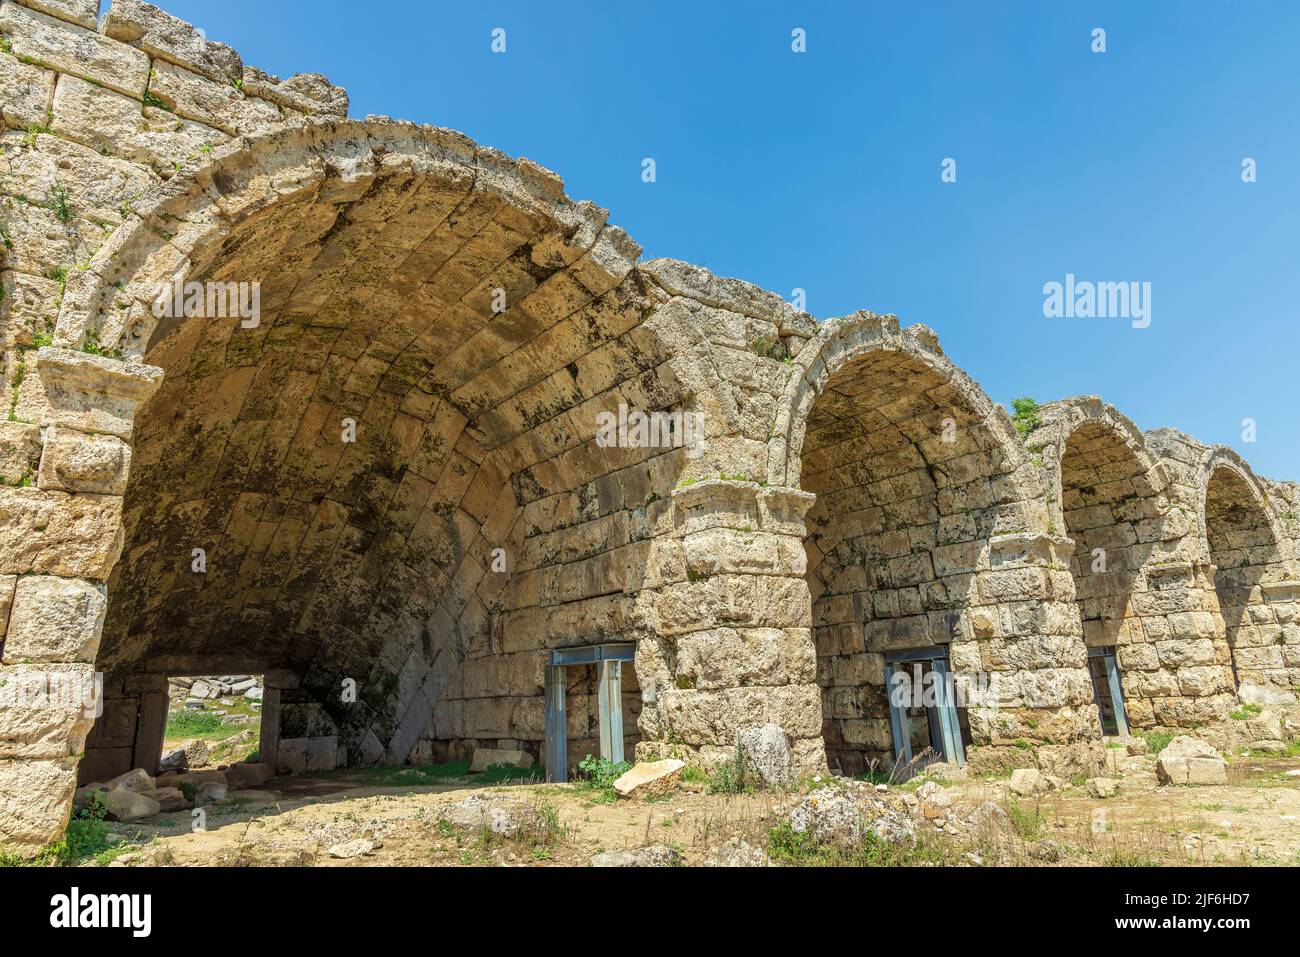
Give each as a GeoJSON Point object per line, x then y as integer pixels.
{"type": "Point", "coordinates": [856, 492]}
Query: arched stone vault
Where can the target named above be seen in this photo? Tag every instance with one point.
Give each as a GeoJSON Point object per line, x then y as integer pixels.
{"type": "Point", "coordinates": [1134, 563]}
{"type": "Point", "coordinates": [929, 530]}
{"type": "Point", "coordinates": [854, 491]}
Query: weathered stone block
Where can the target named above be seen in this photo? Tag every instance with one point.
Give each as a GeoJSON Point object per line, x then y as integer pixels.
{"type": "Point", "coordinates": [216, 104]}
{"type": "Point", "coordinates": [45, 711]}
{"type": "Point", "coordinates": [84, 13]}
{"type": "Point", "coordinates": [20, 450]}
{"type": "Point", "coordinates": [29, 91]}
{"type": "Point", "coordinates": [162, 35]}
{"type": "Point", "coordinates": [55, 620]}
{"type": "Point", "coordinates": [37, 798]}
{"type": "Point", "coordinates": [70, 49]}
{"type": "Point", "coordinates": [104, 119]}
{"type": "Point", "coordinates": [55, 533]}
{"type": "Point", "coordinates": [78, 462]}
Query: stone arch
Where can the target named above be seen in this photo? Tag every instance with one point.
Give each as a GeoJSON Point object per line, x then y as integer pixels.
{"type": "Point", "coordinates": [929, 535]}
{"type": "Point", "coordinates": [380, 249]}
{"type": "Point", "coordinates": [1139, 609]}
{"type": "Point", "coordinates": [1242, 542]}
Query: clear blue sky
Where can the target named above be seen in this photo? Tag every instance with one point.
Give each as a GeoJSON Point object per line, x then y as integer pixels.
{"type": "Point", "coordinates": [821, 170]}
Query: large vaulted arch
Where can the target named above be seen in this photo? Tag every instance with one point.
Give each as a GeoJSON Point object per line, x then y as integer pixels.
{"type": "Point", "coordinates": [389, 480]}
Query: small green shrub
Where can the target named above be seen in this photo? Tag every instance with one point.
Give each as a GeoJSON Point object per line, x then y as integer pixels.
{"type": "Point", "coordinates": [1025, 415]}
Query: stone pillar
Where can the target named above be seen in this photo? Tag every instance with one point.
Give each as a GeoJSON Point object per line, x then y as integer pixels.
{"type": "Point", "coordinates": [1173, 659]}
{"type": "Point", "coordinates": [1267, 647]}
{"type": "Point", "coordinates": [61, 539]}
{"type": "Point", "coordinates": [733, 644]}
{"type": "Point", "coordinates": [1018, 651]}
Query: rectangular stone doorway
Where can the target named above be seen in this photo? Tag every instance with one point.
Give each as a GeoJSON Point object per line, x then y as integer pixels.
{"type": "Point", "coordinates": [926, 721]}
{"type": "Point", "coordinates": [1107, 692]}
{"type": "Point", "coordinates": [211, 720]}
{"type": "Point", "coordinates": [608, 662]}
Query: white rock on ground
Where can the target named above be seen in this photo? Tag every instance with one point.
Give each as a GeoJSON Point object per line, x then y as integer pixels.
{"type": "Point", "coordinates": [1188, 760]}
{"type": "Point", "coordinates": [737, 853]}
{"type": "Point", "coordinates": [845, 815]}
{"type": "Point", "coordinates": [354, 848]}
{"type": "Point", "coordinates": [1101, 787]}
{"type": "Point", "coordinates": [1026, 781]}
{"type": "Point", "coordinates": [655, 855]}
{"type": "Point", "coordinates": [764, 750]}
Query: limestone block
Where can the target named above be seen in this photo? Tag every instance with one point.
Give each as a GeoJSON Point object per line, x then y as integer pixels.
{"type": "Point", "coordinates": [79, 462]}
{"type": "Point", "coordinates": [97, 186]}
{"type": "Point", "coordinates": [217, 104]}
{"type": "Point", "coordinates": [29, 91]}
{"type": "Point", "coordinates": [29, 303]}
{"type": "Point", "coordinates": [307, 92]}
{"type": "Point", "coordinates": [764, 750]}
{"type": "Point", "coordinates": [650, 779]}
{"type": "Point", "coordinates": [163, 35]}
{"type": "Point", "coordinates": [36, 797]}
{"type": "Point", "coordinates": [55, 620]}
{"type": "Point", "coordinates": [20, 449]}
{"type": "Point", "coordinates": [105, 120]}
{"type": "Point", "coordinates": [42, 243]}
{"type": "Point", "coordinates": [74, 50]}
{"type": "Point", "coordinates": [45, 711]}
{"type": "Point", "coordinates": [1188, 760]}
{"type": "Point", "coordinates": [84, 13]}
{"type": "Point", "coordinates": [485, 758]}
{"type": "Point", "coordinates": [55, 533]}
{"type": "Point", "coordinates": [1101, 787]}
{"type": "Point", "coordinates": [93, 393]}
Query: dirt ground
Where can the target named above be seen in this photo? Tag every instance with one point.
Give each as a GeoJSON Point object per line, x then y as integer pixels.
{"type": "Point", "coordinates": [1254, 819]}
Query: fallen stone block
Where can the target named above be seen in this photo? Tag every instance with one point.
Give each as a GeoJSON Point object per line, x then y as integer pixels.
{"type": "Point", "coordinates": [245, 775]}
{"type": "Point", "coordinates": [210, 792]}
{"type": "Point", "coordinates": [845, 815]}
{"type": "Point", "coordinates": [650, 778]}
{"type": "Point", "coordinates": [1101, 787]}
{"type": "Point", "coordinates": [485, 758]}
{"type": "Point", "coordinates": [124, 805]}
{"type": "Point", "coordinates": [169, 799]}
{"type": "Point", "coordinates": [137, 780]}
{"type": "Point", "coordinates": [1026, 781]}
{"type": "Point", "coordinates": [764, 750]}
{"type": "Point", "coordinates": [173, 760]}
{"type": "Point", "coordinates": [1188, 760]}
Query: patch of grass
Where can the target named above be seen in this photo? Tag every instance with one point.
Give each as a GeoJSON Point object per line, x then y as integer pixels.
{"type": "Point", "coordinates": [1128, 857]}
{"type": "Point", "coordinates": [192, 724]}
{"type": "Point", "coordinates": [1157, 741]}
{"type": "Point", "coordinates": [1026, 821]}
{"type": "Point", "coordinates": [787, 846]}
{"type": "Point", "coordinates": [1245, 712]}
{"type": "Point", "coordinates": [729, 778]}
